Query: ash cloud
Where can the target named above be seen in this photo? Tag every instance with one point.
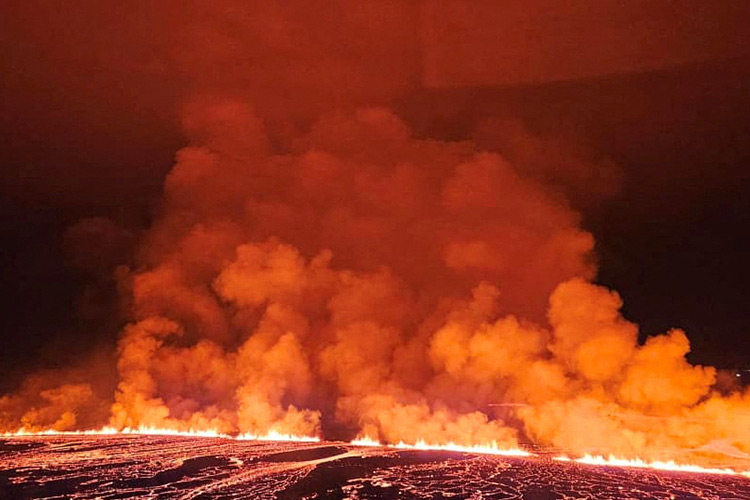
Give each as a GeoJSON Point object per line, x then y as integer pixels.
{"type": "Point", "coordinates": [266, 264]}
{"type": "Point", "coordinates": [315, 266]}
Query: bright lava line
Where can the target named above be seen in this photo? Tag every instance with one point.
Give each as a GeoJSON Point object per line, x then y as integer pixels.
{"type": "Point", "coordinates": [277, 436]}
{"type": "Point", "coordinates": [491, 448]}
{"type": "Point", "coordinates": [365, 441]}
{"type": "Point", "coordinates": [487, 449]}
{"type": "Point", "coordinates": [156, 431]}
{"type": "Point", "coordinates": [671, 465]}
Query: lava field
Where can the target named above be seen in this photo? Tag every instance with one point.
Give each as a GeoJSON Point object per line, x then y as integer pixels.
{"type": "Point", "coordinates": [109, 467]}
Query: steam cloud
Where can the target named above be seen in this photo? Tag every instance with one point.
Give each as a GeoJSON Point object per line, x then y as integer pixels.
{"type": "Point", "coordinates": [358, 279]}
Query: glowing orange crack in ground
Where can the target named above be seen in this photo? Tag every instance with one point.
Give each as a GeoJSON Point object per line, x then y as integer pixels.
{"type": "Point", "coordinates": [277, 436]}
{"type": "Point", "coordinates": [365, 441]}
{"type": "Point", "coordinates": [491, 448]}
{"type": "Point", "coordinates": [613, 461]}
{"type": "Point", "coordinates": [157, 431]}
{"type": "Point", "coordinates": [485, 449]}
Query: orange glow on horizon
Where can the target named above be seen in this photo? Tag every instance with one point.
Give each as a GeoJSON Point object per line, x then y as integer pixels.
{"type": "Point", "coordinates": [365, 441]}
{"type": "Point", "coordinates": [277, 436]}
{"type": "Point", "coordinates": [670, 465]}
{"type": "Point", "coordinates": [156, 431]}
{"type": "Point", "coordinates": [491, 448]}
{"type": "Point", "coordinates": [485, 449]}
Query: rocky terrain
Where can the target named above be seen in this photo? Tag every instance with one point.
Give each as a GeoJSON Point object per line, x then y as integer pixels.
{"type": "Point", "coordinates": [110, 467]}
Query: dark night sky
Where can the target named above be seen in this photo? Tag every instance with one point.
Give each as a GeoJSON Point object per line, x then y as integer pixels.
{"type": "Point", "coordinates": [88, 127]}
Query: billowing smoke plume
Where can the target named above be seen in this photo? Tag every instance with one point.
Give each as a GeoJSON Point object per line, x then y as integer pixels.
{"type": "Point", "coordinates": [353, 278]}
{"type": "Point", "coordinates": [356, 277]}
{"type": "Point", "coordinates": [367, 281]}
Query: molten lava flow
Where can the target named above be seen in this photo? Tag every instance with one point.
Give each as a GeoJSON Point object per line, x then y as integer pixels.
{"type": "Point", "coordinates": [671, 465]}
{"type": "Point", "coordinates": [24, 432]}
{"type": "Point", "coordinates": [277, 436]}
{"type": "Point", "coordinates": [365, 441]}
{"type": "Point", "coordinates": [108, 431]}
{"type": "Point", "coordinates": [156, 431]}
{"type": "Point", "coordinates": [491, 448]}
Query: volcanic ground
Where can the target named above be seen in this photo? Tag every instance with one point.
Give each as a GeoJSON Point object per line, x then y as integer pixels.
{"type": "Point", "coordinates": [109, 467]}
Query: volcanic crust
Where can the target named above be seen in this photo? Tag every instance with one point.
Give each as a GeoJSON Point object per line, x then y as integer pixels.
{"type": "Point", "coordinates": [133, 466]}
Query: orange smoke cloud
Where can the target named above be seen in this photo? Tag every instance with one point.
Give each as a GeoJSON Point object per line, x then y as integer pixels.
{"type": "Point", "coordinates": [76, 398]}
{"type": "Point", "coordinates": [333, 277]}
{"type": "Point", "coordinates": [370, 280]}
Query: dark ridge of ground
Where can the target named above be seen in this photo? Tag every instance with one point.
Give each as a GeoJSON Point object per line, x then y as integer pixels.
{"type": "Point", "coordinates": [10, 446]}
{"type": "Point", "coordinates": [324, 481]}
{"type": "Point", "coordinates": [188, 469]}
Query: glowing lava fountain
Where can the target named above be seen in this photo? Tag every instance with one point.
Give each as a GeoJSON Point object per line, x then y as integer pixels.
{"type": "Point", "coordinates": [491, 448]}
{"type": "Point", "coordinates": [157, 431]}
{"type": "Point", "coordinates": [277, 436]}
{"type": "Point", "coordinates": [671, 465]}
